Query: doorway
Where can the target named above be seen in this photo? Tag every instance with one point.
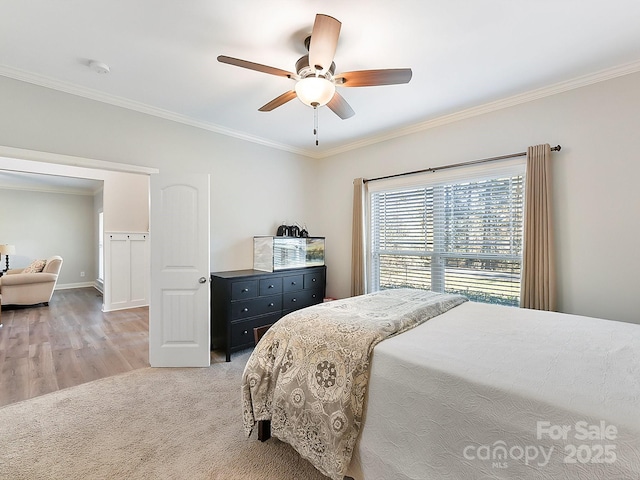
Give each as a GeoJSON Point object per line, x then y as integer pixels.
{"type": "Point", "coordinates": [114, 178]}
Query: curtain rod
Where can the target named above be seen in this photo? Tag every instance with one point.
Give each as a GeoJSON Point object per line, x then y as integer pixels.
{"type": "Point", "coordinates": [557, 148]}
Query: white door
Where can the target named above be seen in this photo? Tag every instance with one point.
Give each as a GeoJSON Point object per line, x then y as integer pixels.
{"type": "Point", "coordinates": [179, 309]}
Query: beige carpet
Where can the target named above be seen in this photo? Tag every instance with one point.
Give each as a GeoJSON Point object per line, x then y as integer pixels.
{"type": "Point", "coordinates": [145, 424]}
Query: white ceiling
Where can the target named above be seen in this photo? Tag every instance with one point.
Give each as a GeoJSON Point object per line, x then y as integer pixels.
{"type": "Point", "coordinates": [463, 53]}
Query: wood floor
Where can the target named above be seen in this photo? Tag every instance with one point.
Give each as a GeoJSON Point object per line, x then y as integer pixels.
{"type": "Point", "coordinates": [43, 349]}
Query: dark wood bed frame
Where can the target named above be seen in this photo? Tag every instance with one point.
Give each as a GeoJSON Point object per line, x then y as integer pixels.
{"type": "Point", "coordinates": [264, 430]}
{"type": "Point", "coordinates": [264, 426]}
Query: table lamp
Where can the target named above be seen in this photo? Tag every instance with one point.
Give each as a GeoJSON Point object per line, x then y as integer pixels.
{"type": "Point", "coordinates": [6, 250]}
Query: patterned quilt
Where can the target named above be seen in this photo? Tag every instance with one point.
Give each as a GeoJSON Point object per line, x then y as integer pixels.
{"type": "Point", "coordinates": [309, 373]}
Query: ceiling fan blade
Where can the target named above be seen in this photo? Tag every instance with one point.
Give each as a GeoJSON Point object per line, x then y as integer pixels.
{"type": "Point", "coordinates": [372, 78]}
{"type": "Point", "coordinates": [276, 102]}
{"type": "Point", "coordinates": [340, 107]}
{"type": "Point", "coordinates": [255, 66]}
{"type": "Point", "coordinates": [324, 41]}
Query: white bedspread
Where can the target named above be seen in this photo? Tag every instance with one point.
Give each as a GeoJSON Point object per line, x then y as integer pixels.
{"type": "Point", "coordinates": [489, 392]}
{"type": "Point", "coordinates": [309, 373]}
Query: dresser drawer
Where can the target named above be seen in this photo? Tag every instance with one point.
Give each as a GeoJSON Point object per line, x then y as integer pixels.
{"type": "Point", "coordinates": [242, 332]}
{"type": "Point", "coordinates": [292, 283]}
{"type": "Point", "coordinates": [303, 298]}
{"type": "Point", "coordinates": [242, 300]}
{"type": "Point", "coordinates": [244, 289]}
{"type": "Point", "coordinates": [314, 280]}
{"type": "Point", "coordinates": [270, 286]}
{"type": "Point", "coordinates": [255, 306]}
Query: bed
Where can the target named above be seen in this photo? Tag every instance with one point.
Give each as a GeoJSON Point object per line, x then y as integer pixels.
{"type": "Point", "coordinates": [473, 391]}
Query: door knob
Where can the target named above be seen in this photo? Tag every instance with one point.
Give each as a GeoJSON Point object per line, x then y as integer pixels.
{"type": "Point", "coordinates": [202, 280]}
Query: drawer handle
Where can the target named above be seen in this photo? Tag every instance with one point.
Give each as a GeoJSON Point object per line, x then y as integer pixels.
{"type": "Point", "coordinates": [293, 283]}
{"type": "Point", "coordinates": [245, 290]}
{"type": "Point", "coordinates": [272, 286]}
{"type": "Point", "coordinates": [314, 295]}
{"type": "Point", "coordinates": [271, 304]}
{"type": "Point", "coordinates": [245, 332]}
{"type": "Point", "coordinates": [313, 279]}
{"type": "Point", "coordinates": [245, 309]}
{"type": "Point", "coordinates": [294, 300]}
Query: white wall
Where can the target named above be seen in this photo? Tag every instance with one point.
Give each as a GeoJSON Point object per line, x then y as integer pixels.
{"type": "Point", "coordinates": [42, 224]}
{"type": "Point", "coordinates": [125, 196]}
{"type": "Point", "coordinates": [125, 202]}
{"type": "Point", "coordinates": [597, 200]}
{"type": "Point", "coordinates": [253, 188]}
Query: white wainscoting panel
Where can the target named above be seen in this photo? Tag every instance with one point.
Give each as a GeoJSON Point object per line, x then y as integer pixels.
{"type": "Point", "coordinates": [127, 270]}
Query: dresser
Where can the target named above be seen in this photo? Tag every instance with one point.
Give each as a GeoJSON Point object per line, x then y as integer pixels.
{"type": "Point", "coordinates": [242, 300]}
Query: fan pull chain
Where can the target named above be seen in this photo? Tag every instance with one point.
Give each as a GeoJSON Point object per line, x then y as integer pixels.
{"type": "Point", "coordinates": [315, 120]}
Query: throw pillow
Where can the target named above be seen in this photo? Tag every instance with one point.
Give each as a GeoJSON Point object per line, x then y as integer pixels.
{"type": "Point", "coordinates": [35, 267]}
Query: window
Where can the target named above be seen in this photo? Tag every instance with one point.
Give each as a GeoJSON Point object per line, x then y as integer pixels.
{"type": "Point", "coordinates": [453, 235]}
{"type": "Point", "coordinates": [101, 246]}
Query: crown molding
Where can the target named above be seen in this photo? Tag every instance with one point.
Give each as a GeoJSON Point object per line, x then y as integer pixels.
{"type": "Point", "coordinates": [140, 107]}
{"type": "Point", "coordinates": [578, 82]}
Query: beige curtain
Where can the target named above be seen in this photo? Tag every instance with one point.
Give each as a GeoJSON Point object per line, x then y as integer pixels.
{"type": "Point", "coordinates": [358, 276]}
{"type": "Point", "coordinates": [538, 287]}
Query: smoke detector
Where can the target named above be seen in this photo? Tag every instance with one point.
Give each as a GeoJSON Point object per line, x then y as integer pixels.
{"type": "Point", "coordinates": [99, 67]}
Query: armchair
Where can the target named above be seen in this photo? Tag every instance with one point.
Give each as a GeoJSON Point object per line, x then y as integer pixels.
{"type": "Point", "coordinates": [18, 288]}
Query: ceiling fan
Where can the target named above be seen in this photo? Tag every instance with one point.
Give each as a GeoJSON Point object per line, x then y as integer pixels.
{"type": "Point", "coordinates": [315, 76]}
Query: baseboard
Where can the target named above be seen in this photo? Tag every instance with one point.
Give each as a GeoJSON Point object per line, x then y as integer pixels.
{"type": "Point", "coordinates": [67, 286]}
{"type": "Point", "coordinates": [126, 306]}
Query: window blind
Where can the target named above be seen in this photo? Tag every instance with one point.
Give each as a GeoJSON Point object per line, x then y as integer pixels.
{"type": "Point", "coordinates": [455, 237]}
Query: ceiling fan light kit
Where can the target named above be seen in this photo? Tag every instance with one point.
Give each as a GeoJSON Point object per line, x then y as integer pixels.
{"type": "Point", "coordinates": [315, 91]}
{"type": "Point", "coordinates": [315, 78]}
